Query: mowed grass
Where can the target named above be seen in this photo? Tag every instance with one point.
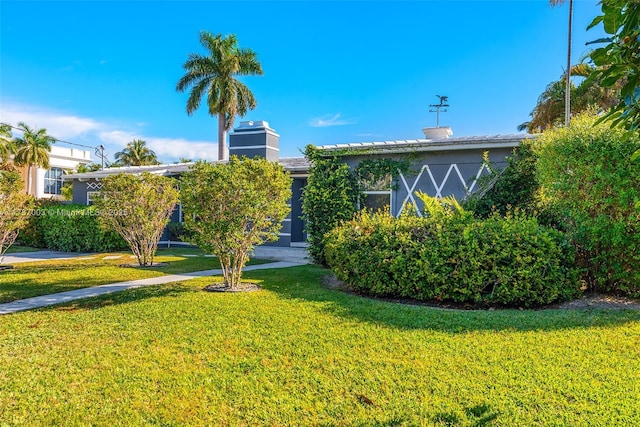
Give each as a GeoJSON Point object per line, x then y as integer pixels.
{"type": "Point", "coordinates": [46, 277]}
{"type": "Point", "coordinates": [296, 353]}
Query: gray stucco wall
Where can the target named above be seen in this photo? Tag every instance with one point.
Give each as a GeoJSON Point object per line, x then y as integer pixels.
{"type": "Point", "coordinates": [439, 173]}
{"type": "Point", "coordinates": [79, 192]}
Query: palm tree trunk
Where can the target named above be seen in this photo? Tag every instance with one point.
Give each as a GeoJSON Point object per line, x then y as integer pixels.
{"type": "Point", "coordinates": [567, 95]}
{"type": "Point", "coordinates": [222, 138]}
{"type": "Point", "coordinates": [29, 179]}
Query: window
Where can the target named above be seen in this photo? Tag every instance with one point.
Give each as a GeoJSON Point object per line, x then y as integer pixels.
{"type": "Point", "coordinates": [376, 195]}
{"type": "Point", "coordinates": [53, 181]}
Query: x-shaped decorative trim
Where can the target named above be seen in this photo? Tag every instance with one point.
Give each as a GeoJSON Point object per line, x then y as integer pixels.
{"type": "Point", "coordinates": [439, 188]}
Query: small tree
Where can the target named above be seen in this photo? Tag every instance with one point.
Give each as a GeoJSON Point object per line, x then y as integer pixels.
{"type": "Point", "coordinates": [15, 210]}
{"type": "Point", "coordinates": [137, 207]}
{"type": "Point", "coordinates": [230, 207]}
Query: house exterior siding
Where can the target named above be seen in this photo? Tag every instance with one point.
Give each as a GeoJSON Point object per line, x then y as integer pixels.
{"type": "Point", "coordinates": [439, 168]}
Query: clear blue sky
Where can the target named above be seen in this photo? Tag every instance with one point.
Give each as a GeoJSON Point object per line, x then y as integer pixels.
{"type": "Point", "coordinates": [97, 72]}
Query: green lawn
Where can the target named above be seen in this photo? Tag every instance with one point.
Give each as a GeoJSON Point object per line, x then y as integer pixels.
{"type": "Point", "coordinates": [296, 353]}
{"type": "Point", "coordinates": [46, 277]}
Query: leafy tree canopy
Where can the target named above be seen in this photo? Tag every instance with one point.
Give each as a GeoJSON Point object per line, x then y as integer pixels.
{"type": "Point", "coordinates": [15, 209]}
{"type": "Point", "coordinates": [618, 61]}
{"type": "Point", "coordinates": [213, 76]}
{"type": "Point", "coordinates": [230, 207]}
{"type": "Point", "coordinates": [7, 145]}
{"type": "Point", "coordinates": [587, 94]}
{"type": "Point", "coordinates": [137, 207]}
{"type": "Point", "coordinates": [136, 153]}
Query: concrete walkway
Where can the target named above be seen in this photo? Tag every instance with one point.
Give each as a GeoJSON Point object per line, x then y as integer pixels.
{"type": "Point", "coordinates": [282, 257]}
{"type": "Point", "coordinates": [63, 297]}
{"type": "Point", "coordinates": [17, 258]}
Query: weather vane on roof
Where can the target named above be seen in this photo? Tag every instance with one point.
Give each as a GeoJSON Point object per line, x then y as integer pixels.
{"type": "Point", "coordinates": [443, 104]}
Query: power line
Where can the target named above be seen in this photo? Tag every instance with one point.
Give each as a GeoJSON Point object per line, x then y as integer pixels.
{"type": "Point", "coordinates": [56, 139]}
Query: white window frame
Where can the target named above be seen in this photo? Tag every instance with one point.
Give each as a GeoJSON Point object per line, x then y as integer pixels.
{"type": "Point", "coordinates": [383, 192]}
{"type": "Point", "coordinates": [55, 181]}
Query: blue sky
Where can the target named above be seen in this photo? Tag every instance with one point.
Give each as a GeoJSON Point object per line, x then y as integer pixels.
{"type": "Point", "coordinates": [95, 72]}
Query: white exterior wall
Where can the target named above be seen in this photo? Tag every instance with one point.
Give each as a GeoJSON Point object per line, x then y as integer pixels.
{"type": "Point", "coordinates": [60, 157]}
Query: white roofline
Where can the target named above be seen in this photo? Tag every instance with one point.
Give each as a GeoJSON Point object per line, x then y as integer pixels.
{"type": "Point", "coordinates": [445, 144]}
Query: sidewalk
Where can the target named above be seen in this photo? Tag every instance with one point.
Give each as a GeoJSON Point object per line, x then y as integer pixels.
{"type": "Point", "coordinates": [18, 257]}
{"type": "Point", "coordinates": [62, 297]}
{"type": "Point", "coordinates": [282, 257]}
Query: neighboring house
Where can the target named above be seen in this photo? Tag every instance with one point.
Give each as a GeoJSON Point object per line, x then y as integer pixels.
{"type": "Point", "coordinates": [441, 166]}
{"type": "Point", "coordinates": [47, 183]}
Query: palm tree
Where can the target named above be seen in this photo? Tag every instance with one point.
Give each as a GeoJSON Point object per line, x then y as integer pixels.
{"type": "Point", "coordinates": [214, 75]}
{"type": "Point", "coordinates": [33, 149]}
{"type": "Point", "coordinates": [136, 153]}
{"type": "Point", "coordinates": [588, 94]}
{"type": "Point", "coordinates": [567, 99]}
{"type": "Point", "coordinates": [7, 146]}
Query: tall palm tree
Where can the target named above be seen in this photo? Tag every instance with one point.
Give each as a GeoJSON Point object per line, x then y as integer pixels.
{"type": "Point", "coordinates": [136, 153]}
{"type": "Point", "coordinates": [33, 149]}
{"type": "Point", "coordinates": [214, 75]}
{"type": "Point", "coordinates": [567, 99]}
{"type": "Point", "coordinates": [7, 146]}
{"type": "Point", "coordinates": [588, 94]}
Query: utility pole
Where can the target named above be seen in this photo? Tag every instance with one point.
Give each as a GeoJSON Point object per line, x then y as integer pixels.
{"type": "Point", "coordinates": [567, 95]}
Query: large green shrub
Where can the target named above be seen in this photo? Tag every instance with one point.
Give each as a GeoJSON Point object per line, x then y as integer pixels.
{"type": "Point", "coordinates": [72, 228]}
{"type": "Point", "coordinates": [31, 234]}
{"type": "Point", "coordinates": [511, 261]}
{"type": "Point", "coordinates": [330, 196]}
{"type": "Point", "coordinates": [513, 187]}
{"type": "Point", "coordinates": [588, 179]}
{"type": "Point", "coordinates": [334, 190]}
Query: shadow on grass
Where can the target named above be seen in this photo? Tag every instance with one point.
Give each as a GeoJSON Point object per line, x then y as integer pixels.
{"type": "Point", "coordinates": [304, 284]}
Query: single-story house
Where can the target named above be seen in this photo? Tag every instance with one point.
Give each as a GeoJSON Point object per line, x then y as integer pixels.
{"type": "Point", "coordinates": [440, 166]}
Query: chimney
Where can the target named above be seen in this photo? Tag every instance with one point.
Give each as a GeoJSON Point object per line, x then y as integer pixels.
{"type": "Point", "coordinates": [442, 132]}
{"type": "Point", "coordinates": [254, 138]}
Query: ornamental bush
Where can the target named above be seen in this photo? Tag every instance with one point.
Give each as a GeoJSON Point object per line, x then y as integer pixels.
{"type": "Point", "coordinates": [510, 261]}
{"type": "Point", "coordinates": [14, 212]}
{"type": "Point", "coordinates": [589, 181]}
{"type": "Point", "coordinates": [70, 228]}
{"type": "Point", "coordinates": [231, 207]}
{"type": "Point", "coordinates": [503, 190]}
{"type": "Point", "coordinates": [138, 208]}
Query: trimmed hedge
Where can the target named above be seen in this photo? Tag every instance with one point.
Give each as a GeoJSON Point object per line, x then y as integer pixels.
{"type": "Point", "coordinates": [510, 261]}
{"type": "Point", "coordinates": [69, 228]}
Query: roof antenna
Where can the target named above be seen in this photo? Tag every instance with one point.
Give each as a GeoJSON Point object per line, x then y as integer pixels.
{"type": "Point", "coordinates": [443, 104]}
